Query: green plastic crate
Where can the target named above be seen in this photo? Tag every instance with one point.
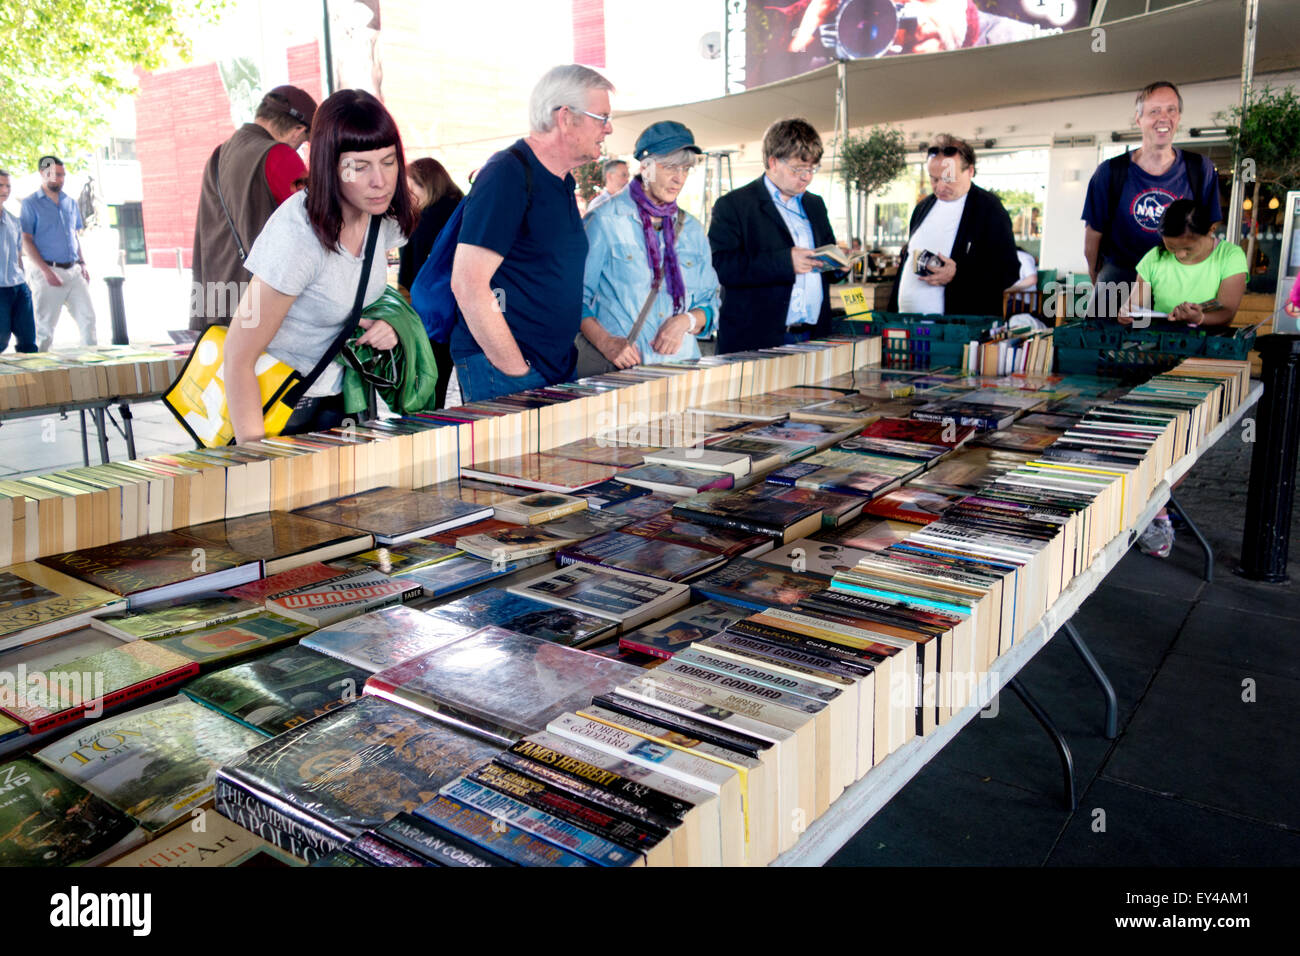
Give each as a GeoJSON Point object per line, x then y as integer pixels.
{"type": "Point", "coordinates": [1092, 347]}
{"type": "Point", "coordinates": [933, 341]}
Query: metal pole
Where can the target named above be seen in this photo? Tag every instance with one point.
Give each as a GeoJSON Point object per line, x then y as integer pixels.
{"type": "Point", "coordinates": [1270, 492]}
{"type": "Point", "coordinates": [1247, 75]}
{"type": "Point", "coordinates": [842, 121]}
{"type": "Point", "coordinates": [329, 54]}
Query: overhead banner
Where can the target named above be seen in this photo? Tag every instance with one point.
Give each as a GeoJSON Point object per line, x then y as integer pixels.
{"type": "Point", "coordinates": [768, 41]}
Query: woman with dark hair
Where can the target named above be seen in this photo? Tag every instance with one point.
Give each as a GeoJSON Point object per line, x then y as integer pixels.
{"type": "Point", "coordinates": [307, 265]}
{"type": "Point", "coordinates": [436, 197]}
{"type": "Point", "coordinates": [1191, 276]}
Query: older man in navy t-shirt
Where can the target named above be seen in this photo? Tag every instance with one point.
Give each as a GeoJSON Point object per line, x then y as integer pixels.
{"type": "Point", "coordinates": [517, 275]}
{"type": "Point", "coordinates": [1120, 229]}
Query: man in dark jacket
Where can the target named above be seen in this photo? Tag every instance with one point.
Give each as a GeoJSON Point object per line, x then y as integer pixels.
{"type": "Point", "coordinates": [969, 236]}
{"type": "Point", "coordinates": [763, 235]}
{"type": "Point", "coordinates": [244, 181]}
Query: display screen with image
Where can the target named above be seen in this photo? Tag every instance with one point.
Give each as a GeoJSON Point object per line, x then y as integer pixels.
{"type": "Point", "coordinates": [782, 40]}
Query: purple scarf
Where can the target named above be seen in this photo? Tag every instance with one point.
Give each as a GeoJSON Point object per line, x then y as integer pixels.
{"type": "Point", "coordinates": [667, 214]}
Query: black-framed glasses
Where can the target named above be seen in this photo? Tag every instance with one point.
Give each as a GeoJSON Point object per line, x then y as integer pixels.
{"type": "Point", "coordinates": [947, 151]}
{"type": "Point", "coordinates": [384, 371]}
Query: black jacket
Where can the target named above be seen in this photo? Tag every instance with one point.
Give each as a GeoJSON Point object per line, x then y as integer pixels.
{"type": "Point", "coordinates": [984, 250]}
{"type": "Point", "coordinates": [751, 254]}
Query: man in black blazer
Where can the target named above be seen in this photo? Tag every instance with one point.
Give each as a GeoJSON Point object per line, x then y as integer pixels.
{"type": "Point", "coordinates": [772, 293]}
{"type": "Point", "coordinates": [970, 233]}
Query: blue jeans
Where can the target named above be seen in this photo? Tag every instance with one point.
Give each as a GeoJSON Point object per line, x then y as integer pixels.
{"type": "Point", "coordinates": [480, 380]}
{"type": "Point", "coordinates": [17, 318]}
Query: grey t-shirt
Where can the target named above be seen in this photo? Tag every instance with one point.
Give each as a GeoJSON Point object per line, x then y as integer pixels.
{"type": "Point", "coordinates": [289, 258]}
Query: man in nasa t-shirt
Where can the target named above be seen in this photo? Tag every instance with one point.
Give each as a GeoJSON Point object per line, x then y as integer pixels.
{"type": "Point", "coordinates": [1120, 231]}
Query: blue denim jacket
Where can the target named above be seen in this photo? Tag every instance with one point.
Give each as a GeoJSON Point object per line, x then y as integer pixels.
{"type": "Point", "coordinates": [618, 277]}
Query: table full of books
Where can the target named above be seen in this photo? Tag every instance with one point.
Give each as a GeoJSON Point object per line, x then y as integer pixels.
{"type": "Point", "coordinates": [671, 616]}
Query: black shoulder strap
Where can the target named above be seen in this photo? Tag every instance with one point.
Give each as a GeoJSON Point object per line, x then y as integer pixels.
{"type": "Point", "coordinates": [1119, 166]}
{"type": "Point", "coordinates": [518, 154]}
{"type": "Point", "coordinates": [1195, 168]}
{"type": "Point", "coordinates": [372, 239]}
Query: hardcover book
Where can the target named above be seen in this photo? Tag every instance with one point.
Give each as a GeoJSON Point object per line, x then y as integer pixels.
{"type": "Point", "coordinates": [386, 637]}
{"type": "Point", "coordinates": [499, 683]}
{"type": "Point", "coordinates": [401, 558]}
{"type": "Point", "coordinates": [157, 567]}
{"type": "Point", "coordinates": [496, 835]}
{"type": "Point", "coordinates": [755, 585]}
{"type": "Point", "coordinates": [746, 511]}
{"type": "Point", "coordinates": [220, 844]}
{"type": "Point", "coordinates": [313, 788]}
{"type": "Point", "coordinates": [281, 690]}
{"type": "Point", "coordinates": [173, 617]}
{"type": "Point", "coordinates": [36, 601]}
{"type": "Point", "coordinates": [259, 591]}
{"type": "Point", "coordinates": [499, 608]}
{"type": "Point", "coordinates": [89, 685]}
{"type": "Point", "coordinates": [718, 540]}
{"type": "Point", "coordinates": [914, 505]}
{"type": "Point", "coordinates": [47, 820]}
{"type": "Point", "coordinates": [458, 574]}
{"type": "Point", "coordinates": [331, 601]}
{"type": "Point", "coordinates": [609, 493]}
{"type": "Point", "coordinates": [155, 764]}
{"type": "Point", "coordinates": [222, 643]}
{"type": "Point", "coordinates": [641, 555]}
{"type": "Point", "coordinates": [394, 515]}
{"type": "Point", "coordinates": [701, 459]}
{"type": "Point", "coordinates": [282, 540]}
{"type": "Point", "coordinates": [541, 473]}
{"type": "Point", "coordinates": [629, 599]}
{"type": "Point", "coordinates": [680, 630]}
{"type": "Point", "coordinates": [814, 557]}
{"type": "Point", "coordinates": [675, 481]}
{"type": "Point", "coordinates": [536, 508]}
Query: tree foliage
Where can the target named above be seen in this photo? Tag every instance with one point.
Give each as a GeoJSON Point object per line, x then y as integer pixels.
{"type": "Point", "coordinates": [872, 162]}
{"type": "Point", "coordinates": [1268, 132]}
{"type": "Point", "coordinates": [590, 178]}
{"type": "Point", "coordinates": [63, 66]}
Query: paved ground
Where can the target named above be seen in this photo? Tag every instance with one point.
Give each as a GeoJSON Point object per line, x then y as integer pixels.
{"type": "Point", "coordinates": [1199, 776]}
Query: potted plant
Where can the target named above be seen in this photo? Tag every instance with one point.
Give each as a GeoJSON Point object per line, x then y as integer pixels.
{"type": "Point", "coordinates": [870, 163]}
{"type": "Point", "coordinates": [1264, 137]}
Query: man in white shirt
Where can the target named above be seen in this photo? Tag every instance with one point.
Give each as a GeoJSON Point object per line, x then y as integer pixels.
{"type": "Point", "coordinates": [969, 238]}
{"type": "Point", "coordinates": [616, 177]}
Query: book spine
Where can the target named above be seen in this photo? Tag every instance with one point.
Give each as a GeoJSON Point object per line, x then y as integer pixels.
{"type": "Point", "coordinates": [727, 521]}
{"type": "Point", "coordinates": [681, 724]}
{"type": "Point", "coordinates": [495, 835]}
{"type": "Point", "coordinates": [436, 844]}
{"type": "Point", "coordinates": [579, 813]}
{"type": "Point", "coordinates": [541, 824]}
{"type": "Point", "coordinates": [585, 791]}
{"type": "Point", "coordinates": [275, 821]}
{"type": "Point", "coordinates": [815, 645]}
{"type": "Point", "coordinates": [660, 806]}
{"type": "Point", "coordinates": [369, 848]}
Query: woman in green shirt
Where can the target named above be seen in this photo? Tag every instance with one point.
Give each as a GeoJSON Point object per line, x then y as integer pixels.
{"type": "Point", "coordinates": [1191, 276]}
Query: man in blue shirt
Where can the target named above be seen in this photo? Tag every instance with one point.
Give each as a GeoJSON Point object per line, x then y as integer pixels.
{"type": "Point", "coordinates": [57, 272]}
{"type": "Point", "coordinates": [1122, 224]}
{"type": "Point", "coordinates": [517, 275]}
{"type": "Point", "coordinates": [763, 236]}
{"type": "Point", "coordinates": [15, 297]}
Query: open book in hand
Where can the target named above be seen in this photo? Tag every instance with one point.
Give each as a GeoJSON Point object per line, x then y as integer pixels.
{"type": "Point", "coordinates": [831, 258]}
{"type": "Point", "coordinates": [1140, 312]}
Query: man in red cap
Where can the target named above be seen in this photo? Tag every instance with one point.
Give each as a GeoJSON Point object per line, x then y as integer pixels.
{"type": "Point", "coordinates": [246, 178]}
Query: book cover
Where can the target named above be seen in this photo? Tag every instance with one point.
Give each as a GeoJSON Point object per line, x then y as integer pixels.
{"type": "Point", "coordinates": [682, 481]}
{"type": "Point", "coordinates": [401, 558]}
{"type": "Point", "coordinates": [913, 505]}
{"type": "Point", "coordinates": [499, 683]}
{"type": "Point", "coordinates": [749, 512]}
{"type": "Point", "coordinates": [37, 601]}
{"type": "Point", "coordinates": [701, 459]}
{"type": "Point", "coordinates": [394, 515]}
{"type": "Point", "coordinates": [458, 574]}
{"type": "Point", "coordinates": [282, 540]}
{"type": "Point", "coordinates": [222, 643]}
{"type": "Point", "coordinates": [870, 534]}
{"type": "Point", "coordinates": [156, 567]}
{"type": "Point", "coordinates": [270, 586]}
{"type": "Point", "coordinates": [601, 451]}
{"type": "Point", "coordinates": [836, 508]}
{"type": "Point", "coordinates": [810, 556]}
{"type": "Point", "coordinates": [513, 612]}
{"type": "Point", "coordinates": [536, 508]}
{"type": "Point", "coordinates": [330, 601]}
{"type": "Point", "coordinates": [626, 598]}
{"type": "Point", "coordinates": [680, 630]}
{"type": "Point", "coordinates": [155, 764]}
{"type": "Point", "coordinates": [441, 847]}
{"type": "Point", "coordinates": [173, 617]}
{"type": "Point", "coordinates": [313, 788]}
{"type": "Point", "coordinates": [541, 472]}
{"type": "Point", "coordinates": [725, 541]}
{"type": "Point", "coordinates": [641, 555]}
{"type": "Point", "coordinates": [280, 690]}
{"type": "Point", "coordinates": [611, 492]}
{"type": "Point", "coordinates": [646, 506]}
{"type": "Point", "coordinates": [87, 686]}
{"type": "Point", "coordinates": [48, 820]}
{"type": "Point", "coordinates": [753, 584]}
{"type": "Point", "coordinates": [976, 415]}
{"type": "Point", "coordinates": [386, 637]}
{"type": "Point", "coordinates": [512, 542]}
{"type": "Point", "coordinates": [221, 843]}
